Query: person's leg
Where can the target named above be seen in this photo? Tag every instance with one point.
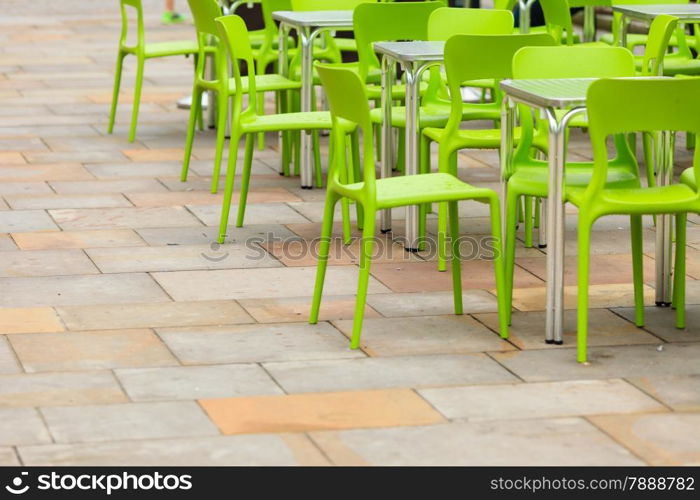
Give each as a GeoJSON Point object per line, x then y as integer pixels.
{"type": "Point", "coordinates": [170, 16]}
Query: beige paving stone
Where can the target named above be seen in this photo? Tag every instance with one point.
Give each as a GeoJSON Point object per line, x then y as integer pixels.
{"type": "Point", "coordinates": [45, 172]}
{"type": "Point", "coordinates": [143, 315]}
{"type": "Point", "coordinates": [431, 303]}
{"type": "Point", "coordinates": [78, 239]}
{"type": "Point", "coordinates": [78, 156]}
{"type": "Point", "coordinates": [99, 423]}
{"type": "Point", "coordinates": [47, 201]}
{"type": "Point", "coordinates": [241, 450]}
{"type": "Point", "coordinates": [60, 389]}
{"type": "Point", "coordinates": [79, 290]}
{"type": "Point", "coordinates": [661, 321]}
{"type": "Point", "coordinates": [23, 144]}
{"type": "Point", "coordinates": [90, 350]}
{"type": "Point", "coordinates": [26, 188]}
{"type": "Point", "coordinates": [604, 362]}
{"type": "Point", "coordinates": [24, 221]}
{"type": "Point", "coordinates": [259, 283]}
{"type": "Point", "coordinates": [660, 439]}
{"type": "Point", "coordinates": [425, 335]}
{"type": "Point", "coordinates": [46, 263]}
{"type": "Point", "coordinates": [8, 360]}
{"type": "Point", "coordinates": [384, 373]}
{"type": "Point", "coordinates": [29, 320]}
{"type": "Point", "coordinates": [117, 218]}
{"type": "Point", "coordinates": [8, 457]}
{"type": "Point", "coordinates": [524, 442]}
{"type": "Point", "coordinates": [22, 426]}
{"type": "Point", "coordinates": [195, 382]}
{"type": "Point", "coordinates": [264, 213]}
{"type": "Point", "coordinates": [332, 410]}
{"type": "Point", "coordinates": [269, 195]}
{"type": "Point", "coordinates": [10, 158]}
{"type": "Point", "coordinates": [122, 170]}
{"type": "Point", "coordinates": [424, 276]}
{"type": "Point", "coordinates": [251, 235]}
{"type": "Point", "coordinates": [681, 393]}
{"type": "Point", "coordinates": [542, 400]}
{"type": "Point", "coordinates": [256, 343]}
{"type": "Point", "coordinates": [108, 186]}
{"type": "Point", "coordinates": [7, 243]}
{"type": "Point", "coordinates": [297, 309]}
{"type": "Point", "coordinates": [604, 328]}
{"type": "Point", "coordinates": [146, 155]}
{"type": "Point", "coordinates": [599, 296]}
{"type": "Point", "coordinates": [74, 144]}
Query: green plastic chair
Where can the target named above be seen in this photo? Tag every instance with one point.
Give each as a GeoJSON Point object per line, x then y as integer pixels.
{"type": "Point", "coordinates": [529, 176]}
{"type": "Point", "coordinates": [557, 16]}
{"type": "Point", "coordinates": [204, 13]}
{"type": "Point", "coordinates": [350, 108]}
{"type": "Point", "coordinates": [469, 57]}
{"type": "Point", "coordinates": [246, 122]}
{"type": "Point", "coordinates": [635, 40]}
{"type": "Point", "coordinates": [142, 51]}
{"type": "Point", "coordinates": [615, 107]}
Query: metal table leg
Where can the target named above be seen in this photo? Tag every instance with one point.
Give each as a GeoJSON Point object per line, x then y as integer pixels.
{"type": "Point", "coordinates": [554, 213]}
{"type": "Point", "coordinates": [413, 74]}
{"type": "Point", "coordinates": [664, 226]}
{"type": "Point", "coordinates": [525, 6]}
{"type": "Point", "coordinates": [283, 69]}
{"type": "Point", "coordinates": [386, 134]}
{"type": "Point", "coordinates": [306, 40]}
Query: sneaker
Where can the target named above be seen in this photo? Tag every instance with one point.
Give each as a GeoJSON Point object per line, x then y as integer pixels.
{"type": "Point", "coordinates": [172, 18]}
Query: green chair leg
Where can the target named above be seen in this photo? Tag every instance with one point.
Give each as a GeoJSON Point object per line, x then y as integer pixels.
{"type": "Point", "coordinates": [194, 111]}
{"type": "Point", "coordinates": [318, 171]}
{"type": "Point", "coordinates": [649, 159]}
{"type": "Point", "coordinates": [261, 111]}
{"type": "Point", "coordinates": [366, 249]}
{"type": "Point", "coordinates": [221, 120]}
{"type": "Point", "coordinates": [679, 270]}
{"type": "Point", "coordinates": [323, 251]}
{"type": "Point", "coordinates": [637, 268]}
{"type": "Point", "coordinates": [228, 191]}
{"type": "Point", "coordinates": [512, 205]}
{"type": "Point", "coordinates": [115, 92]}
{"type": "Point", "coordinates": [137, 99]}
{"type": "Point", "coordinates": [498, 266]}
{"type": "Point", "coordinates": [245, 181]}
{"type": "Point", "coordinates": [584, 250]}
{"type": "Point", "coordinates": [355, 150]}
{"type": "Point", "coordinates": [690, 140]}
{"type": "Point", "coordinates": [456, 262]}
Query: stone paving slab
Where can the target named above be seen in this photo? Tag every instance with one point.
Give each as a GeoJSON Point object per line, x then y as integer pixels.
{"type": "Point", "coordinates": [22, 426]}
{"type": "Point", "coordinates": [250, 234]}
{"type": "Point", "coordinates": [298, 309]}
{"type": "Point", "coordinates": [46, 263]}
{"type": "Point", "coordinates": [29, 320]}
{"type": "Point", "coordinates": [431, 303]}
{"type": "Point", "coordinates": [525, 442]}
{"type": "Point", "coordinates": [118, 218]}
{"type": "Point", "coordinates": [264, 213]}
{"type": "Point", "coordinates": [241, 450]}
{"type": "Point", "coordinates": [24, 221]}
{"type": "Point", "coordinates": [8, 360]}
{"type": "Point", "coordinates": [60, 389]}
{"type": "Point", "coordinates": [680, 393]}
{"type": "Point", "coordinates": [99, 423]}
{"type": "Point", "coordinates": [661, 322]}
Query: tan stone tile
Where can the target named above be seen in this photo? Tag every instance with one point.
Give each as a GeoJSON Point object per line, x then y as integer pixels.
{"type": "Point", "coordinates": [140, 315]}
{"type": "Point", "coordinates": [268, 195]}
{"type": "Point", "coordinates": [259, 283]}
{"type": "Point", "coordinates": [425, 335]}
{"type": "Point", "coordinates": [11, 158]}
{"type": "Point", "coordinates": [604, 269]}
{"type": "Point", "coordinates": [108, 186]}
{"type": "Point", "coordinates": [60, 389]}
{"type": "Point", "coordinates": [604, 328]}
{"type": "Point", "coordinates": [46, 263]}
{"type": "Point", "coordinates": [321, 411]}
{"type": "Point", "coordinates": [681, 393]}
{"type": "Point", "coordinates": [22, 426]}
{"type": "Point", "coordinates": [116, 218]}
{"type": "Point", "coordinates": [431, 303]}
{"type": "Point", "coordinates": [260, 213]}
{"type": "Point", "coordinates": [25, 221]}
{"type": "Point", "coordinates": [610, 295]}
{"type": "Point", "coordinates": [660, 439]}
{"type": "Point", "coordinates": [57, 172]}
{"type": "Point", "coordinates": [169, 154]}
{"type": "Point", "coordinates": [47, 201]}
{"type": "Point", "coordinates": [293, 309]}
{"type": "Point", "coordinates": [424, 276]}
{"type": "Point", "coordinates": [7, 243]}
{"type": "Point", "coordinates": [77, 239]}
{"type": "Point", "coordinates": [12, 188]}
{"type": "Point", "coordinates": [90, 350]}
{"type": "Point", "coordinates": [29, 320]}
{"type": "Point", "coordinates": [77, 156]}
{"type": "Point", "coordinates": [8, 359]}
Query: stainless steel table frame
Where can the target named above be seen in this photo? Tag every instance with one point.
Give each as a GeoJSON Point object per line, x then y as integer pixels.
{"type": "Point", "coordinates": [308, 25]}
{"type": "Point", "coordinates": [686, 13]}
{"type": "Point", "coordinates": [414, 58]}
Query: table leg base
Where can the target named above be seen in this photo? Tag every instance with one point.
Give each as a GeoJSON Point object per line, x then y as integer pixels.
{"type": "Point", "coordinates": [307, 187]}
{"type": "Point", "coordinates": [541, 246]}
{"type": "Point", "coordinates": [384, 231]}
{"type": "Point", "coordinates": [555, 342]}
{"type": "Point", "coordinates": [663, 304]}
{"type": "Point", "coordinates": [412, 250]}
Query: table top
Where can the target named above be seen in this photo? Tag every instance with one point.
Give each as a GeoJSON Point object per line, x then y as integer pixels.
{"type": "Point", "coordinates": [315, 18]}
{"type": "Point", "coordinates": [556, 93]}
{"type": "Point", "coordinates": [686, 12]}
{"type": "Point", "coordinates": [412, 51]}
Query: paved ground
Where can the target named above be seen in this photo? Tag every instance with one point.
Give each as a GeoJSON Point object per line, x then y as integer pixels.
{"type": "Point", "coordinates": [129, 339]}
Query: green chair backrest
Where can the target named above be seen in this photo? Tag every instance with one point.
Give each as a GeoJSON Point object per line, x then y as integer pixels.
{"type": "Point", "coordinates": [328, 4]}
{"type": "Point", "coordinates": [268, 7]}
{"type": "Point", "coordinates": [505, 4]}
{"type": "Point", "coordinates": [644, 105]}
{"type": "Point", "coordinates": [347, 100]}
{"type": "Point", "coordinates": [140, 37]}
{"type": "Point", "coordinates": [573, 62]}
{"type": "Point", "coordinates": [557, 17]}
{"type": "Point", "coordinates": [475, 57]}
{"type": "Point", "coordinates": [447, 22]}
{"type": "Point", "coordinates": [203, 14]}
{"type": "Point", "coordinates": [233, 32]}
{"type": "Point", "coordinates": [377, 22]}
{"type": "Point", "coordinates": [660, 31]}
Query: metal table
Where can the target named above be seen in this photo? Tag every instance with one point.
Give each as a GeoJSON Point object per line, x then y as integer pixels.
{"type": "Point", "coordinates": [415, 58]}
{"type": "Point", "coordinates": [686, 13]}
{"type": "Point", "coordinates": [308, 25]}
{"type": "Point", "coordinates": [570, 95]}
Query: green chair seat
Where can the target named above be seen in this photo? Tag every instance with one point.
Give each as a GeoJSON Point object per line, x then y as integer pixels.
{"type": "Point", "coordinates": [470, 138]}
{"type": "Point", "coordinates": [311, 120]}
{"type": "Point", "coordinates": [174, 48]}
{"type": "Point", "coordinates": [266, 83]}
{"type": "Point", "coordinates": [649, 200]}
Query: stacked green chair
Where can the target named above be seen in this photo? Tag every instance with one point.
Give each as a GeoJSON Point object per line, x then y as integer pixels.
{"type": "Point", "coordinates": [469, 57]}
{"type": "Point", "coordinates": [204, 13]}
{"type": "Point", "coordinates": [349, 107]}
{"type": "Point", "coordinates": [529, 176]}
{"type": "Point", "coordinates": [618, 106]}
{"type": "Point", "coordinates": [635, 40]}
{"type": "Point", "coordinates": [246, 122]}
{"type": "Point", "coordinates": [142, 51]}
